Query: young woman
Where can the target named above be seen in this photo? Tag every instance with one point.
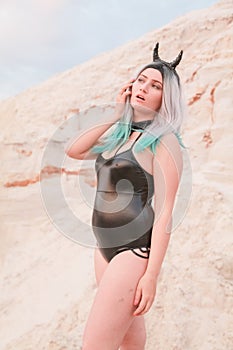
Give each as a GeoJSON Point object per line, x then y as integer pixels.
{"type": "Point", "coordinates": [139, 159]}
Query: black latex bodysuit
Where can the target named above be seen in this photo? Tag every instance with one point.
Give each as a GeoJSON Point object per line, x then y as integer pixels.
{"type": "Point", "coordinates": [122, 216]}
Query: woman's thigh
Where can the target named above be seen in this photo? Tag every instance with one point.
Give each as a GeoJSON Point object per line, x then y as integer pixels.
{"type": "Point", "coordinates": [112, 311]}
{"type": "Point", "coordinates": [100, 265]}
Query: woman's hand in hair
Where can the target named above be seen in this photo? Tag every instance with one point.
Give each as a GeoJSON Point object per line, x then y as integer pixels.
{"type": "Point", "coordinates": [121, 98]}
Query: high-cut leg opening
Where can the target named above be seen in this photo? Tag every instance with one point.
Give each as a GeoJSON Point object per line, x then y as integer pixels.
{"type": "Point", "coordinates": [143, 252]}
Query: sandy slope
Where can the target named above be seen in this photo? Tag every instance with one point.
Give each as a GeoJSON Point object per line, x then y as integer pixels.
{"type": "Point", "coordinates": [47, 280]}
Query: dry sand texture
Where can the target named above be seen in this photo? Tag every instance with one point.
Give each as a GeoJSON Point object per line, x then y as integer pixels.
{"type": "Point", "coordinates": [47, 280]}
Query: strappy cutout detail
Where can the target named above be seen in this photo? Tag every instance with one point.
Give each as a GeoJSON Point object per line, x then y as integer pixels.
{"type": "Point", "coordinates": [117, 153]}
{"type": "Point", "coordinates": [141, 252]}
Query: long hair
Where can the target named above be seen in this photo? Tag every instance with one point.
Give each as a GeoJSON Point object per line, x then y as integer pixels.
{"type": "Point", "coordinates": [168, 119]}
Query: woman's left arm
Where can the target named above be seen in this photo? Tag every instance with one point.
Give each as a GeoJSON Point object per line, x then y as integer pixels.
{"type": "Point", "coordinates": [167, 170]}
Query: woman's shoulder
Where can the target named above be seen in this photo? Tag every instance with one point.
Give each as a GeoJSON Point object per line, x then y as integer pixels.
{"type": "Point", "coordinates": [169, 144]}
{"type": "Point", "coordinates": [171, 139]}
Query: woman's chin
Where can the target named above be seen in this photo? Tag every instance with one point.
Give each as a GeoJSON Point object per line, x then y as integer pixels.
{"type": "Point", "coordinates": [139, 108]}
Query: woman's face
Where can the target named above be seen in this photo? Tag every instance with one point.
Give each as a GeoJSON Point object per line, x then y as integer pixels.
{"type": "Point", "coordinates": [147, 90]}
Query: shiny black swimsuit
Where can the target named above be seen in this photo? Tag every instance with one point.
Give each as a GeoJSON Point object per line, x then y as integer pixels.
{"type": "Point", "coordinates": [122, 216]}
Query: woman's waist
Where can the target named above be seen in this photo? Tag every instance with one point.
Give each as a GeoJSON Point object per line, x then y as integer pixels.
{"type": "Point", "coordinates": [141, 198]}
{"type": "Point", "coordinates": [113, 205]}
{"type": "Point", "coordinates": [125, 218]}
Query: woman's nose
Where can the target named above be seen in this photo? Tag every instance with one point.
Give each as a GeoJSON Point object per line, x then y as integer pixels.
{"type": "Point", "coordinates": [144, 88]}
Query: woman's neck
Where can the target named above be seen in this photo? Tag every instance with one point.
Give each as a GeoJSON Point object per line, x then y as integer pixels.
{"type": "Point", "coordinates": [140, 125]}
{"type": "Point", "coordinates": [140, 117]}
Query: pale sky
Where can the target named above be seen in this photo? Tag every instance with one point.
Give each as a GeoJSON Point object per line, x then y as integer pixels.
{"type": "Point", "coordinates": [40, 38]}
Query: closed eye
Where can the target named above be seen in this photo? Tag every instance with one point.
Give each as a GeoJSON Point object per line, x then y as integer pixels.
{"type": "Point", "coordinates": [140, 80]}
{"type": "Point", "coordinates": [156, 86]}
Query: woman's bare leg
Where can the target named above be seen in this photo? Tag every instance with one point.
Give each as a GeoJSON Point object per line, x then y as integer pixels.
{"type": "Point", "coordinates": [100, 265]}
{"type": "Point", "coordinates": [111, 315]}
{"type": "Point", "coordinates": [135, 338]}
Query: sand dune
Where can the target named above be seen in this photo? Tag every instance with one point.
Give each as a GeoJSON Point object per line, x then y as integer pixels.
{"type": "Point", "coordinates": [47, 279]}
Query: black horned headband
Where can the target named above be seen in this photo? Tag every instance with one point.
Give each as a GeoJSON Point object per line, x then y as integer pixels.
{"type": "Point", "coordinates": [172, 64]}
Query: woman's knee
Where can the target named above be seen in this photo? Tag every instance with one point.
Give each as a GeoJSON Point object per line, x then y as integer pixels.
{"type": "Point", "coordinates": [87, 346]}
{"type": "Point", "coordinates": [99, 344]}
{"type": "Point", "coordinates": [135, 338]}
{"type": "Point", "coordinates": [91, 344]}
{"type": "Point", "coordinates": [134, 344]}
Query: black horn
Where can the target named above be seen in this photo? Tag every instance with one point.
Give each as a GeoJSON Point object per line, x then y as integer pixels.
{"type": "Point", "coordinates": [172, 64]}
{"type": "Point", "coordinates": [156, 52]}
{"type": "Point", "coordinates": [177, 60]}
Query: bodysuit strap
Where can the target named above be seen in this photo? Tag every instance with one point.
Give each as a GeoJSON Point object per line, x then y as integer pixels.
{"type": "Point", "coordinates": [140, 134]}
{"type": "Point", "coordinates": [133, 143]}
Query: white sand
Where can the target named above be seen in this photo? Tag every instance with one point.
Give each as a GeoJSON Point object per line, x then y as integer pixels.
{"type": "Point", "coordinates": [47, 280]}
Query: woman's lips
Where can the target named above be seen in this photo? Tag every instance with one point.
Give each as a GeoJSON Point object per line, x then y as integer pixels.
{"type": "Point", "coordinates": [140, 98]}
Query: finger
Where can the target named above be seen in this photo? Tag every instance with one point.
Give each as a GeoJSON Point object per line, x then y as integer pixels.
{"type": "Point", "coordinates": [126, 86]}
{"type": "Point", "coordinates": [124, 90]}
{"type": "Point", "coordinates": [138, 296]}
{"type": "Point", "coordinates": [141, 305]}
{"type": "Point", "coordinates": [147, 307]}
{"type": "Point", "coordinates": [122, 98]}
{"type": "Point", "coordinates": [127, 93]}
{"type": "Point", "coordinates": [132, 80]}
{"type": "Point", "coordinates": [140, 308]}
{"type": "Point", "coordinates": [128, 90]}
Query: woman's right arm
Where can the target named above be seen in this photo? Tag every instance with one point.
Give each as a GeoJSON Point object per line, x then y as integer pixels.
{"type": "Point", "coordinates": [80, 148]}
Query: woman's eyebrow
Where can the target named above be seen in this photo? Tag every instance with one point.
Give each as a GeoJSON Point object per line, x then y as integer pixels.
{"type": "Point", "coordinates": [152, 79]}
